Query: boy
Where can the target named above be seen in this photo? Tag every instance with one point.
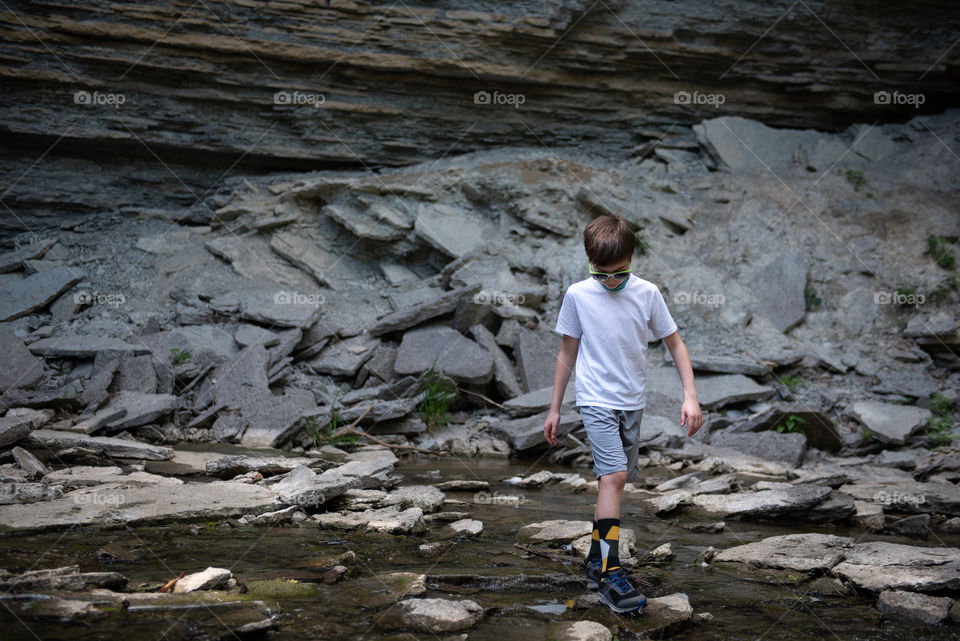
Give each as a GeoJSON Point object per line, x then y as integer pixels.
{"type": "Point", "coordinates": [605, 319]}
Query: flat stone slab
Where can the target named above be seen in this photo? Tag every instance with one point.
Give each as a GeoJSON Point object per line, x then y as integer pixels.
{"type": "Point", "coordinates": [76, 346]}
{"type": "Point", "coordinates": [441, 302]}
{"type": "Point", "coordinates": [35, 292]}
{"type": "Point", "coordinates": [140, 408]}
{"type": "Point", "coordinates": [556, 531]}
{"type": "Point", "coordinates": [107, 445]}
{"type": "Point", "coordinates": [526, 433]}
{"type": "Point", "coordinates": [890, 422]}
{"type": "Point", "coordinates": [801, 552]}
{"type": "Point", "coordinates": [879, 565]}
{"type": "Point", "coordinates": [537, 401]}
{"type": "Point", "coordinates": [277, 307]}
{"type": "Point", "coordinates": [146, 504]}
{"type": "Point", "coordinates": [908, 496]}
{"type": "Point", "coordinates": [764, 503]}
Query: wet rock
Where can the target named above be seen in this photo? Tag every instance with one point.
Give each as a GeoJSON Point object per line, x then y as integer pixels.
{"type": "Point", "coordinates": [210, 579]}
{"type": "Point", "coordinates": [20, 368]}
{"type": "Point", "coordinates": [304, 487]}
{"type": "Point", "coordinates": [668, 610]}
{"type": "Point", "coordinates": [426, 497]}
{"type": "Point", "coordinates": [881, 566]}
{"type": "Point", "coordinates": [105, 445]}
{"type": "Point", "coordinates": [685, 480]}
{"type": "Point", "coordinates": [87, 475]}
{"type": "Point", "coordinates": [27, 492]}
{"type": "Point", "coordinates": [801, 552]}
{"type": "Point", "coordinates": [908, 496]}
{"type": "Point", "coordinates": [63, 578]}
{"type": "Point", "coordinates": [409, 521]}
{"type": "Point", "coordinates": [710, 528]}
{"type": "Point", "coordinates": [763, 504]}
{"type": "Point", "coordinates": [670, 501]}
{"type": "Point", "coordinates": [659, 554]}
{"type": "Point", "coordinates": [463, 485]}
{"type": "Point", "coordinates": [447, 351]}
{"type": "Point", "coordinates": [705, 556]}
{"type": "Point", "coordinates": [227, 467]}
{"type": "Point", "coordinates": [390, 520]}
{"type": "Point", "coordinates": [442, 302]}
{"type": "Point", "coordinates": [433, 549]}
{"type": "Point", "coordinates": [13, 429]}
{"type": "Point", "coordinates": [469, 527]}
{"type": "Point", "coordinates": [890, 422]}
{"type": "Point", "coordinates": [827, 586]}
{"type": "Point", "coordinates": [130, 505]}
{"type": "Point", "coordinates": [277, 517]}
{"type": "Point", "coordinates": [582, 631]}
{"type": "Point", "coordinates": [556, 531]}
{"type": "Point", "coordinates": [445, 517]}
{"type": "Point", "coordinates": [913, 606]}
{"type": "Point", "coordinates": [434, 615]}
{"type": "Point", "coordinates": [35, 292]}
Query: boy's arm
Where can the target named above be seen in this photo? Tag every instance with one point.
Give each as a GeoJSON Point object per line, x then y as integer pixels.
{"type": "Point", "coordinates": [690, 412]}
{"type": "Point", "coordinates": [566, 359]}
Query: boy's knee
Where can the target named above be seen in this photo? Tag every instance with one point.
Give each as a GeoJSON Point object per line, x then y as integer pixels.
{"type": "Point", "coordinates": [616, 479]}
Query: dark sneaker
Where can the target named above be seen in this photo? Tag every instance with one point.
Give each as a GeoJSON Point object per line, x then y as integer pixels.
{"type": "Point", "coordinates": [594, 569]}
{"type": "Point", "coordinates": [617, 593]}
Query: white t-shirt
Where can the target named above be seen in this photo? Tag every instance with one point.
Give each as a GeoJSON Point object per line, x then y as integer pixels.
{"type": "Point", "coordinates": [612, 328]}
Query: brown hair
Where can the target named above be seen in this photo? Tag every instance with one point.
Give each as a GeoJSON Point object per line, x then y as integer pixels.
{"type": "Point", "coordinates": [609, 240]}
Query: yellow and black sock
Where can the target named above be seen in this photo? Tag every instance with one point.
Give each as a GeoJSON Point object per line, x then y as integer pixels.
{"type": "Point", "coordinates": [609, 533]}
{"type": "Point", "coordinates": [594, 554]}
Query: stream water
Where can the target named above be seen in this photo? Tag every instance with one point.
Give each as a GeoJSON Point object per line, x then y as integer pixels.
{"type": "Point", "coordinates": [523, 595]}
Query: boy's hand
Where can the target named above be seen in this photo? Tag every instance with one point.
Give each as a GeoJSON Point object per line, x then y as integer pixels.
{"type": "Point", "coordinates": [550, 427]}
{"type": "Point", "coordinates": [691, 415]}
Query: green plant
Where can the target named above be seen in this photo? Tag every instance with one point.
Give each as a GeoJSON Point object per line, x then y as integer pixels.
{"type": "Point", "coordinates": [810, 297]}
{"type": "Point", "coordinates": [641, 243]}
{"type": "Point", "coordinates": [938, 247]}
{"type": "Point", "coordinates": [939, 424]}
{"type": "Point", "coordinates": [943, 289]}
{"type": "Point", "coordinates": [791, 382]}
{"type": "Point", "coordinates": [855, 178]}
{"type": "Point", "coordinates": [792, 424]}
{"type": "Point", "coordinates": [439, 392]}
{"type": "Point", "coordinates": [179, 356]}
{"type": "Point", "coordinates": [866, 435]}
{"type": "Point", "coordinates": [325, 435]}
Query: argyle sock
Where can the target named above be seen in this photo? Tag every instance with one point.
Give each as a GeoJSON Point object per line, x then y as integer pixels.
{"type": "Point", "coordinates": [594, 554]}
{"type": "Point", "coordinates": [609, 532]}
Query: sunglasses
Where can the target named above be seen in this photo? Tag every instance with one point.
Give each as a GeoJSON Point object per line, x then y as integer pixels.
{"type": "Point", "coordinates": [601, 276]}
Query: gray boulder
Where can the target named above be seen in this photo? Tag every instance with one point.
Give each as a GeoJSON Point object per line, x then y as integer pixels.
{"type": "Point", "coordinates": [889, 422]}
{"type": "Point", "coordinates": [445, 349]}
{"type": "Point", "coordinates": [20, 368]}
{"type": "Point", "coordinates": [35, 292]}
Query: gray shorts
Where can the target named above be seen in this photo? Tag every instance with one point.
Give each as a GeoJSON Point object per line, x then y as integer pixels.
{"type": "Point", "coordinates": [614, 439]}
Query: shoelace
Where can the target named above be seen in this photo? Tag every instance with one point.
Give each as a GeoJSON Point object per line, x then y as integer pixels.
{"type": "Point", "coordinates": [620, 580]}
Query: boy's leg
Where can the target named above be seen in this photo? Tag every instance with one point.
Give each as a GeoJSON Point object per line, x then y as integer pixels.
{"type": "Point", "coordinates": [603, 427]}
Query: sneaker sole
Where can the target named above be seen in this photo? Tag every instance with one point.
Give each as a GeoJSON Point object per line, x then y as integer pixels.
{"type": "Point", "coordinates": [637, 608]}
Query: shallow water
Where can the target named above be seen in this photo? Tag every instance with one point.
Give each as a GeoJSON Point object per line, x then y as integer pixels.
{"type": "Point", "coordinates": [522, 594]}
